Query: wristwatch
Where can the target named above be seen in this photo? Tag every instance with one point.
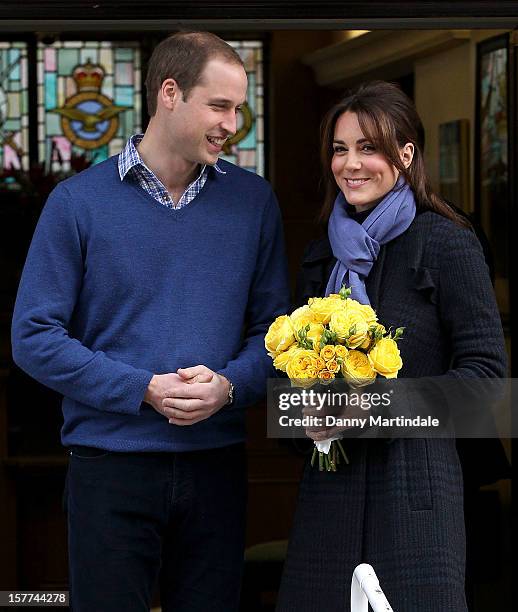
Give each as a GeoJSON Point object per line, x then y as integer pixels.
{"type": "Point", "coordinates": [230, 393]}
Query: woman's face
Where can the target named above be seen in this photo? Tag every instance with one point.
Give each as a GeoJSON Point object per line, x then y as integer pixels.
{"type": "Point", "coordinates": [363, 175]}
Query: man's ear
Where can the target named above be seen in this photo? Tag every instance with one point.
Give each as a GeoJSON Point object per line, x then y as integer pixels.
{"type": "Point", "coordinates": [407, 154]}
{"type": "Point", "coordinates": [169, 94]}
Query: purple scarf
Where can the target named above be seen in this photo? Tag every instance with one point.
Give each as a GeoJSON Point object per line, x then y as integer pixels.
{"type": "Point", "coordinates": [356, 247]}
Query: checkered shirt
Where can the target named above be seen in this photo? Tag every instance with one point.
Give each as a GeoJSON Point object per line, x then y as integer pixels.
{"type": "Point", "coordinates": [131, 163]}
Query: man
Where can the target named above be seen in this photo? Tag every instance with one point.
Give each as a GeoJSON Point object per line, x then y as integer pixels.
{"type": "Point", "coordinates": [150, 282]}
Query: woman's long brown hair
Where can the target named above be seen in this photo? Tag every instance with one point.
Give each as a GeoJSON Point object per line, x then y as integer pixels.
{"type": "Point", "coordinates": [388, 118]}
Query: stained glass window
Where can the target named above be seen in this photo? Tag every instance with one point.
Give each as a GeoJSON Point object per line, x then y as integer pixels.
{"type": "Point", "coordinates": [89, 99]}
{"type": "Point", "coordinates": [14, 116]}
{"type": "Point", "coordinates": [246, 148]}
{"type": "Point", "coordinates": [89, 102]}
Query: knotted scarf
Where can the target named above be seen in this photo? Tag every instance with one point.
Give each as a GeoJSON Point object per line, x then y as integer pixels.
{"type": "Point", "coordinates": [356, 246]}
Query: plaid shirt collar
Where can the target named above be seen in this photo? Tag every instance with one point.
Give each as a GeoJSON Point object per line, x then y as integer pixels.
{"type": "Point", "coordinates": [130, 157]}
{"type": "Point", "coordinates": [130, 161]}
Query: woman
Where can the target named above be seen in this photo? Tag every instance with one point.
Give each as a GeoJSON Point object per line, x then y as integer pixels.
{"type": "Point", "coordinates": [398, 504]}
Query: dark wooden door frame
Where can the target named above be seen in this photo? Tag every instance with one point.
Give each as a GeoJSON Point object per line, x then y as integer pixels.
{"type": "Point", "coordinates": [332, 14]}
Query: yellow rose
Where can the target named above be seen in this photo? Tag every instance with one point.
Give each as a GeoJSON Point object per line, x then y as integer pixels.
{"type": "Point", "coordinates": [385, 358]}
{"type": "Point", "coordinates": [333, 366]}
{"type": "Point", "coordinates": [320, 364]}
{"type": "Point", "coordinates": [365, 310]}
{"type": "Point", "coordinates": [323, 308]}
{"type": "Point", "coordinates": [302, 363]}
{"type": "Point", "coordinates": [314, 334]}
{"type": "Point", "coordinates": [280, 335]}
{"type": "Point", "coordinates": [303, 366]}
{"type": "Point", "coordinates": [358, 336]}
{"type": "Point", "coordinates": [340, 324]}
{"type": "Point", "coordinates": [281, 361]}
{"type": "Point", "coordinates": [357, 369]}
{"type": "Point", "coordinates": [350, 327]}
{"type": "Point", "coordinates": [325, 376]}
{"type": "Point", "coordinates": [340, 352]}
{"type": "Point", "coordinates": [328, 352]}
{"type": "Point", "coordinates": [366, 344]}
{"type": "Point", "coordinates": [302, 317]}
{"type": "Point", "coordinates": [376, 332]}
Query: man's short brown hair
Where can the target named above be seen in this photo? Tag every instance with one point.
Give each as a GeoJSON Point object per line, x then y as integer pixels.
{"type": "Point", "coordinates": [183, 57]}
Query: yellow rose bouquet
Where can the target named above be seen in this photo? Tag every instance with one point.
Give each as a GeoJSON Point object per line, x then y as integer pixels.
{"type": "Point", "coordinates": [329, 338]}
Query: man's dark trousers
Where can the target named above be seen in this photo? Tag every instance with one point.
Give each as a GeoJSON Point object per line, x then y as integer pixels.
{"type": "Point", "coordinates": [138, 518]}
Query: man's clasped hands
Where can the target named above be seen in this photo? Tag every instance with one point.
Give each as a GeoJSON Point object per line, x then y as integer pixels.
{"type": "Point", "coordinates": [188, 396]}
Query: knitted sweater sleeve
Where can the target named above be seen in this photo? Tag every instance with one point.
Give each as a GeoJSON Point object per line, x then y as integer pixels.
{"type": "Point", "coordinates": [47, 295]}
{"type": "Point", "coordinates": [268, 298]}
{"type": "Point", "coordinates": [469, 311]}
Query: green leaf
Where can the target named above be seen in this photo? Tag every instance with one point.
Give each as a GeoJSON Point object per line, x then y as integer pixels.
{"type": "Point", "coordinates": [345, 292]}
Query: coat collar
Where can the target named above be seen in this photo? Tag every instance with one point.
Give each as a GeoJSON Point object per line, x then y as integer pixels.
{"type": "Point", "coordinates": [319, 252]}
{"type": "Point", "coordinates": [318, 249]}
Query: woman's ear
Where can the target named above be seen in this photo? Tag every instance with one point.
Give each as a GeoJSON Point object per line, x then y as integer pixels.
{"type": "Point", "coordinates": [407, 154]}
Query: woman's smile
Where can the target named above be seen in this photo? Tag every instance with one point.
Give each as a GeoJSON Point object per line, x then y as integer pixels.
{"type": "Point", "coordinates": [355, 183]}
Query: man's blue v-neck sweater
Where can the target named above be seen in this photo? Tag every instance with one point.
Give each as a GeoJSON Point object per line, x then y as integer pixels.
{"type": "Point", "coordinates": [117, 287]}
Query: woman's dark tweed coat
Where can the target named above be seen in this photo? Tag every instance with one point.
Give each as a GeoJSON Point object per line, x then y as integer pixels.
{"type": "Point", "coordinates": [398, 505]}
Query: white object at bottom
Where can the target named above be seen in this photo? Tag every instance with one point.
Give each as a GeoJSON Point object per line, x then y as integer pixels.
{"type": "Point", "coordinates": [365, 590]}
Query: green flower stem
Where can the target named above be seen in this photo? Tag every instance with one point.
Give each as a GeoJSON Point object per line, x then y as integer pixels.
{"type": "Point", "coordinates": [346, 459]}
{"type": "Point", "coordinates": [329, 462]}
{"type": "Point", "coordinates": [332, 462]}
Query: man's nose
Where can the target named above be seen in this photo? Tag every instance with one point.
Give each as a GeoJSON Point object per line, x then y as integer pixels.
{"type": "Point", "coordinates": [229, 123]}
